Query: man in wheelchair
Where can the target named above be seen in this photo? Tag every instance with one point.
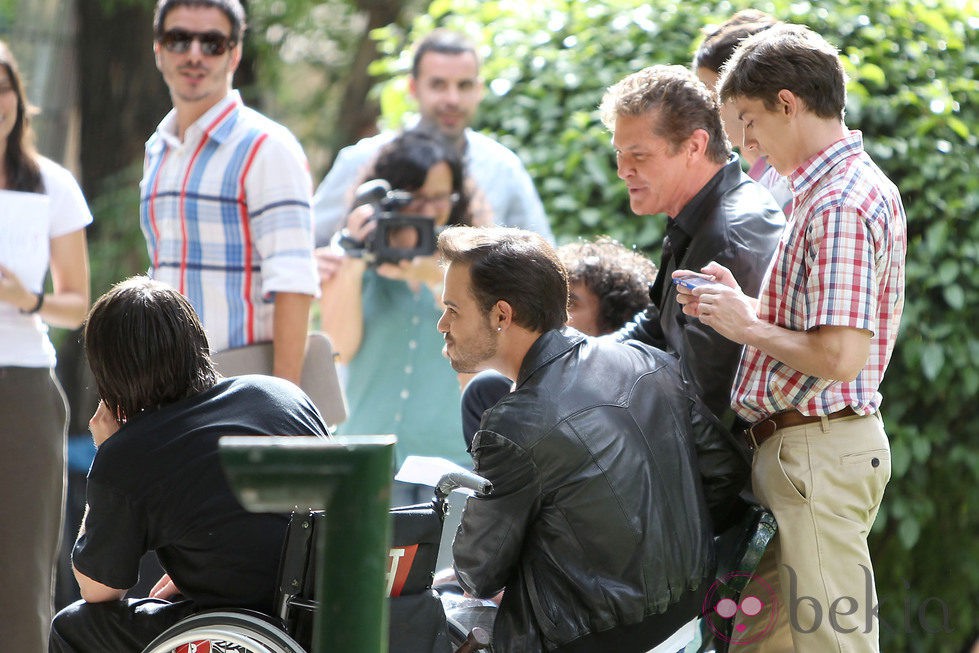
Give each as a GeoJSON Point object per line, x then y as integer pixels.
{"type": "Point", "coordinates": [156, 482]}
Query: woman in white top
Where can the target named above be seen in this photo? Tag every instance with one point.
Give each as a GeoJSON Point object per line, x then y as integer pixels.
{"type": "Point", "coordinates": [43, 216]}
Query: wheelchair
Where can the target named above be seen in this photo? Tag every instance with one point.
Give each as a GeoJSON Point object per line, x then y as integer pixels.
{"type": "Point", "coordinates": [421, 619]}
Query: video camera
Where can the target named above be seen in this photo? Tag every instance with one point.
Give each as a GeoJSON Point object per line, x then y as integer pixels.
{"type": "Point", "coordinates": [397, 236]}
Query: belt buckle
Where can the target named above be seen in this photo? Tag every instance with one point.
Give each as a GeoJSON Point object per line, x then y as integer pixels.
{"type": "Point", "coordinates": [750, 431]}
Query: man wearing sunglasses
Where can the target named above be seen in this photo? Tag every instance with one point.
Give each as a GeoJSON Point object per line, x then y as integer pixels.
{"type": "Point", "coordinates": [225, 195]}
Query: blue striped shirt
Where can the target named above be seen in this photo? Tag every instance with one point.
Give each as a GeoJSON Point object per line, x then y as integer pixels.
{"type": "Point", "coordinates": [226, 218]}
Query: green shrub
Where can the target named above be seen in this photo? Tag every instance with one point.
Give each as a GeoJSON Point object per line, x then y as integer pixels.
{"type": "Point", "coordinates": [914, 94]}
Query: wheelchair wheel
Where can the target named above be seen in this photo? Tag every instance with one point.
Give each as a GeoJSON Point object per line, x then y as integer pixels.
{"type": "Point", "coordinates": [224, 632]}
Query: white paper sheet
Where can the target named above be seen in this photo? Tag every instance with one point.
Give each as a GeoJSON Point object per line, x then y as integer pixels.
{"type": "Point", "coordinates": [24, 240]}
{"type": "Point", "coordinates": [427, 470]}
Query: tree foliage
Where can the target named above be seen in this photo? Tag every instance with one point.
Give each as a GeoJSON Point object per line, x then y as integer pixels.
{"type": "Point", "coordinates": [7, 10]}
{"type": "Point", "coordinates": [913, 92]}
{"type": "Point", "coordinates": [314, 60]}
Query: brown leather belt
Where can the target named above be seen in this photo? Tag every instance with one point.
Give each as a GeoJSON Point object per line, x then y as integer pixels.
{"type": "Point", "coordinates": [757, 433]}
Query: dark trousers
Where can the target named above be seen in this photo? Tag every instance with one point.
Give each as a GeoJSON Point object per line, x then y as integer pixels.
{"type": "Point", "coordinates": [126, 626]}
{"type": "Point", "coordinates": [33, 414]}
{"type": "Point", "coordinates": [645, 635]}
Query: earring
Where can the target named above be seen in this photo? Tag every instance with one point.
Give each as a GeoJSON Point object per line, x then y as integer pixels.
{"type": "Point", "coordinates": [499, 328]}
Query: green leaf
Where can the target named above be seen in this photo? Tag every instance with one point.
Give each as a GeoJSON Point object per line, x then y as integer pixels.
{"type": "Point", "coordinates": [947, 271]}
{"type": "Point", "coordinates": [932, 360]}
{"type": "Point", "coordinates": [908, 532]}
{"type": "Point", "coordinates": [873, 74]}
{"type": "Point", "coordinates": [959, 127]}
{"type": "Point", "coordinates": [955, 296]}
{"type": "Point", "coordinates": [920, 449]}
{"type": "Point", "coordinates": [900, 460]}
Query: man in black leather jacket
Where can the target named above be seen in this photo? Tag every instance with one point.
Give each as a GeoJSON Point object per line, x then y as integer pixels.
{"type": "Point", "coordinates": [675, 158]}
{"type": "Point", "coordinates": [605, 466]}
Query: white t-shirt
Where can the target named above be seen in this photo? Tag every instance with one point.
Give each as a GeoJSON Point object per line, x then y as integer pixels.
{"type": "Point", "coordinates": [28, 222]}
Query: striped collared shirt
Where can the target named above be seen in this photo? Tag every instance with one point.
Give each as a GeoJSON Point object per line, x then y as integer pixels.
{"type": "Point", "coordinates": [227, 220]}
{"type": "Point", "coordinates": [840, 263]}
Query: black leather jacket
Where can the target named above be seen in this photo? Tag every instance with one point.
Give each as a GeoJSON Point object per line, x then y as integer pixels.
{"type": "Point", "coordinates": [733, 221]}
{"type": "Point", "coordinates": [598, 518]}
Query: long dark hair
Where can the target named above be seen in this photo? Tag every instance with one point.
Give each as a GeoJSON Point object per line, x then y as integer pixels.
{"type": "Point", "coordinates": [404, 163]}
{"type": "Point", "coordinates": [146, 347]}
{"type": "Point", "coordinates": [21, 159]}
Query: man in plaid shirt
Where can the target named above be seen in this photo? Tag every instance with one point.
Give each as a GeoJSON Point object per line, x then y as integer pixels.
{"type": "Point", "coordinates": [225, 195]}
{"type": "Point", "coordinates": [817, 343]}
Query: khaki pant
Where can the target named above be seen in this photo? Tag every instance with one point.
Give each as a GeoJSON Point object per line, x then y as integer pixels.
{"type": "Point", "coordinates": [824, 483]}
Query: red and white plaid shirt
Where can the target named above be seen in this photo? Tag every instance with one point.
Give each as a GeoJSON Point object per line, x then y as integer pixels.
{"type": "Point", "coordinates": [840, 263]}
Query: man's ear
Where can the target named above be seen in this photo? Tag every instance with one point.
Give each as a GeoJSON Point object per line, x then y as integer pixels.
{"type": "Point", "coordinates": [236, 54]}
{"type": "Point", "coordinates": [697, 142]}
{"type": "Point", "coordinates": [413, 87]}
{"type": "Point", "coordinates": [501, 316]}
{"type": "Point", "coordinates": [788, 104]}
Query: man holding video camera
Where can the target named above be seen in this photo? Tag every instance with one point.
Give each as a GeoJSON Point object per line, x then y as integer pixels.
{"type": "Point", "coordinates": [381, 312]}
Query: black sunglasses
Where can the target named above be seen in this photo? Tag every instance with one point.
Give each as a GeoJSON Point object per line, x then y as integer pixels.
{"type": "Point", "coordinates": [213, 44]}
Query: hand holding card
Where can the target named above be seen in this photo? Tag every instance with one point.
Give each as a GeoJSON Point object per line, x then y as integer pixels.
{"type": "Point", "coordinates": [692, 281]}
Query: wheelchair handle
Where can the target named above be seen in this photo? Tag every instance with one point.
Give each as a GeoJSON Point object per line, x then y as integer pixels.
{"type": "Point", "coordinates": [464, 479]}
{"type": "Point", "coordinates": [478, 640]}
